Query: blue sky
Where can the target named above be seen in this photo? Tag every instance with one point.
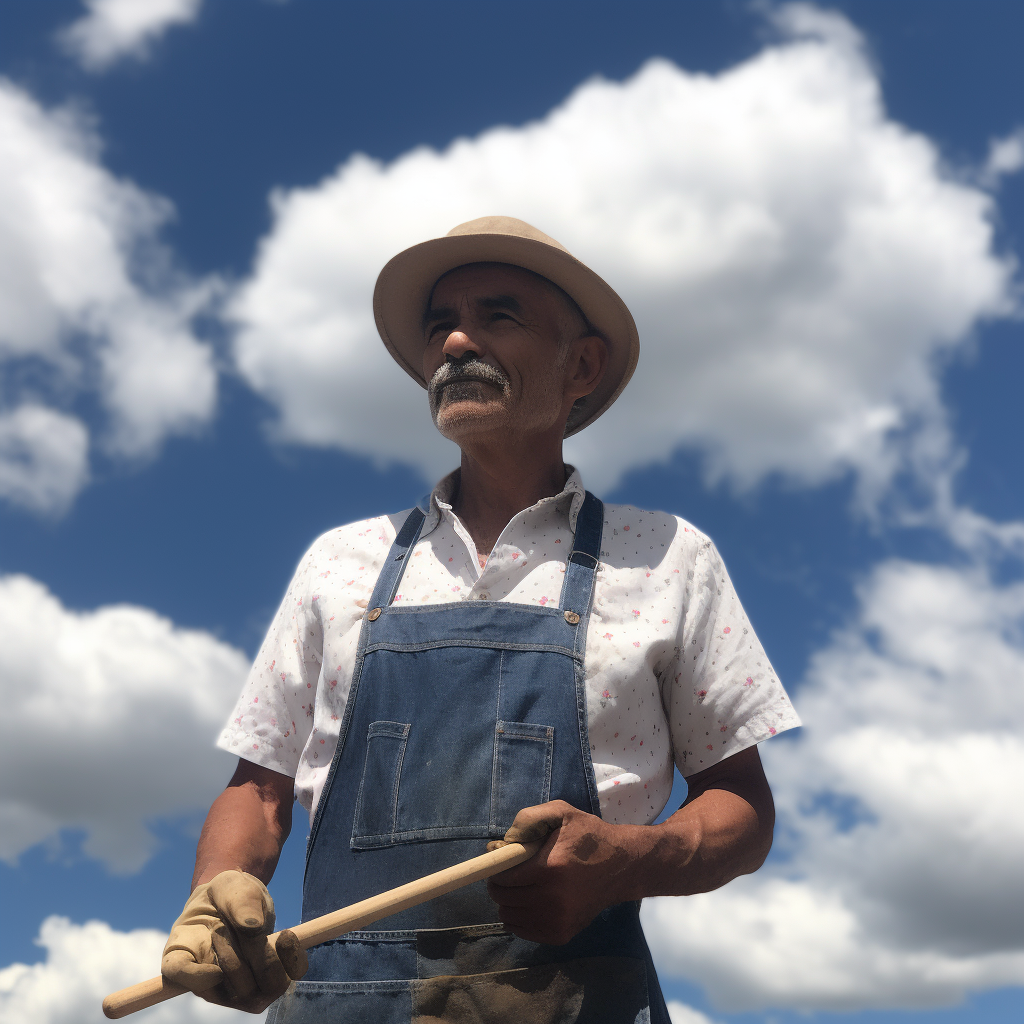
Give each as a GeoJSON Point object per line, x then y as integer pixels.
{"type": "Point", "coordinates": [815, 215]}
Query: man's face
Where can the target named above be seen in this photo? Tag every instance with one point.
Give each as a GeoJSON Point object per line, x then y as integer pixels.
{"type": "Point", "coordinates": [492, 353]}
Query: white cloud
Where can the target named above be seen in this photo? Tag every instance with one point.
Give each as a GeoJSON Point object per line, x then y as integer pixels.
{"type": "Point", "coordinates": [798, 264]}
{"type": "Point", "coordinates": [1005, 156]}
{"type": "Point", "coordinates": [83, 964]}
{"type": "Point", "coordinates": [680, 1013]}
{"type": "Point", "coordinates": [900, 805]}
{"type": "Point", "coordinates": [114, 29]}
{"type": "Point", "coordinates": [88, 303]}
{"type": "Point", "coordinates": [805, 19]}
{"type": "Point", "coordinates": [109, 720]}
{"type": "Point", "coordinates": [44, 458]}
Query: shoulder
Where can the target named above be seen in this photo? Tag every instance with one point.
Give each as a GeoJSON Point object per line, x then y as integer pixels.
{"type": "Point", "coordinates": [631, 533]}
{"type": "Point", "coordinates": [353, 544]}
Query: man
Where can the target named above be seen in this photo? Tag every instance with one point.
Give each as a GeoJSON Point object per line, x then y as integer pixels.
{"type": "Point", "coordinates": [509, 659]}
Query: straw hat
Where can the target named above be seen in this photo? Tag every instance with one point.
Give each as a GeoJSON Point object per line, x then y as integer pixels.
{"type": "Point", "coordinates": [406, 282]}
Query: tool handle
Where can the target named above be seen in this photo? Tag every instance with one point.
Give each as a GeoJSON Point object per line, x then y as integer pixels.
{"type": "Point", "coordinates": [358, 915]}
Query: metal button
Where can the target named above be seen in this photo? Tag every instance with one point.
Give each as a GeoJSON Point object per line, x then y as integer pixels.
{"type": "Point", "coordinates": [374, 613]}
{"type": "Point", "coordinates": [572, 618]}
{"type": "Point", "coordinates": [483, 595]}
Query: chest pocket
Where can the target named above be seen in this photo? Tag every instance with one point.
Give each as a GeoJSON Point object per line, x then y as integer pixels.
{"type": "Point", "coordinates": [471, 784]}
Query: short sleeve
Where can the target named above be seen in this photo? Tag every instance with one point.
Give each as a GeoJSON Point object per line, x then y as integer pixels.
{"type": "Point", "coordinates": [720, 692]}
{"type": "Point", "coordinates": [273, 716]}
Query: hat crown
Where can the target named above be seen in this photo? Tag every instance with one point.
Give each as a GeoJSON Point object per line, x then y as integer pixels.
{"type": "Point", "coordinates": [504, 226]}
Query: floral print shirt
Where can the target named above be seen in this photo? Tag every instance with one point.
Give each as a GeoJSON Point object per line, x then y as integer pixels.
{"type": "Point", "coordinates": [674, 673]}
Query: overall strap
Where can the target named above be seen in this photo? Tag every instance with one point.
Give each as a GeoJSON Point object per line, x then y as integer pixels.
{"type": "Point", "coordinates": [581, 568]}
{"type": "Point", "coordinates": [393, 570]}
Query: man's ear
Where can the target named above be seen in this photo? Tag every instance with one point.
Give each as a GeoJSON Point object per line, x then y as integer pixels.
{"type": "Point", "coordinates": [588, 362]}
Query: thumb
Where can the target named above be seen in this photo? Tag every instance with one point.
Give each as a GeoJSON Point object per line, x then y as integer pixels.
{"type": "Point", "coordinates": [292, 955]}
{"type": "Point", "coordinates": [243, 902]}
{"type": "Point", "coordinates": [179, 966]}
{"type": "Point", "coordinates": [533, 823]}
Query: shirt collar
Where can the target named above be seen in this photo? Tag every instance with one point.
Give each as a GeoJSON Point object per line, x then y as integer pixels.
{"type": "Point", "coordinates": [439, 501]}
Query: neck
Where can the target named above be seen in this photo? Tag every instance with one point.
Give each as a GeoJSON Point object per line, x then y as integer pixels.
{"type": "Point", "coordinates": [500, 479]}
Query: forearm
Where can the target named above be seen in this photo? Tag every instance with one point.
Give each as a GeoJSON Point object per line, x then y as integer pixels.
{"type": "Point", "coordinates": [722, 831]}
{"type": "Point", "coordinates": [246, 826]}
{"type": "Point", "coordinates": [587, 864]}
{"type": "Point", "coordinates": [701, 847]}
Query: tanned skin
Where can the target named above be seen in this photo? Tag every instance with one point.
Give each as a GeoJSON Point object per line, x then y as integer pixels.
{"type": "Point", "coordinates": [510, 434]}
{"type": "Point", "coordinates": [247, 824]}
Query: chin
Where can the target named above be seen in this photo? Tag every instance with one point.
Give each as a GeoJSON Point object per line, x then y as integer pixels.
{"type": "Point", "coordinates": [460, 421]}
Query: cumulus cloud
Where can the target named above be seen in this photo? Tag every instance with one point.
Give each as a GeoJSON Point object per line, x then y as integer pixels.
{"type": "Point", "coordinates": [83, 964]}
{"type": "Point", "coordinates": [89, 305]}
{"type": "Point", "coordinates": [110, 717]}
{"type": "Point", "coordinates": [901, 811]}
{"type": "Point", "coordinates": [115, 29]}
{"type": "Point", "coordinates": [44, 458]}
{"type": "Point", "coordinates": [798, 264]}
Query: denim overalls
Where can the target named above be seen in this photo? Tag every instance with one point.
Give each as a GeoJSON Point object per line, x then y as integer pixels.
{"type": "Point", "coordinates": [460, 715]}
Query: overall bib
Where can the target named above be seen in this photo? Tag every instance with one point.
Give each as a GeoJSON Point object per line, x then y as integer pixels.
{"type": "Point", "coordinates": [460, 715]}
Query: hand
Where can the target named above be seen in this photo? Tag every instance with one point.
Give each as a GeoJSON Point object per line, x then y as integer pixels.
{"type": "Point", "coordinates": [218, 947]}
{"type": "Point", "coordinates": [582, 868]}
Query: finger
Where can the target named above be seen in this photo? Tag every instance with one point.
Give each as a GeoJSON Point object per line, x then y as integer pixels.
{"type": "Point", "coordinates": [220, 995]}
{"type": "Point", "coordinates": [178, 965]}
{"type": "Point", "coordinates": [512, 895]}
{"type": "Point", "coordinates": [292, 955]}
{"type": "Point", "coordinates": [530, 872]}
{"type": "Point", "coordinates": [533, 823]}
{"type": "Point", "coordinates": [243, 901]}
{"type": "Point", "coordinates": [237, 975]}
{"type": "Point", "coordinates": [262, 959]}
{"type": "Point", "coordinates": [517, 877]}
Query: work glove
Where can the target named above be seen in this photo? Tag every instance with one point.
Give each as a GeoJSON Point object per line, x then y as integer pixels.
{"type": "Point", "coordinates": [218, 947]}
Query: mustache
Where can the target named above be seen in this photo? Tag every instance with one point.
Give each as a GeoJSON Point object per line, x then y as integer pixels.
{"type": "Point", "coordinates": [467, 370]}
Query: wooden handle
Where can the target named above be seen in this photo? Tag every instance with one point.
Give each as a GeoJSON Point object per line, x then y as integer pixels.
{"type": "Point", "coordinates": [358, 915]}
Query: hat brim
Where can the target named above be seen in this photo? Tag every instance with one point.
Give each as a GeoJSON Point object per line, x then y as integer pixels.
{"type": "Point", "coordinates": [406, 282]}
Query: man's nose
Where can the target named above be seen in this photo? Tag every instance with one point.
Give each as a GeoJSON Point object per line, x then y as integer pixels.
{"type": "Point", "coordinates": [459, 344]}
